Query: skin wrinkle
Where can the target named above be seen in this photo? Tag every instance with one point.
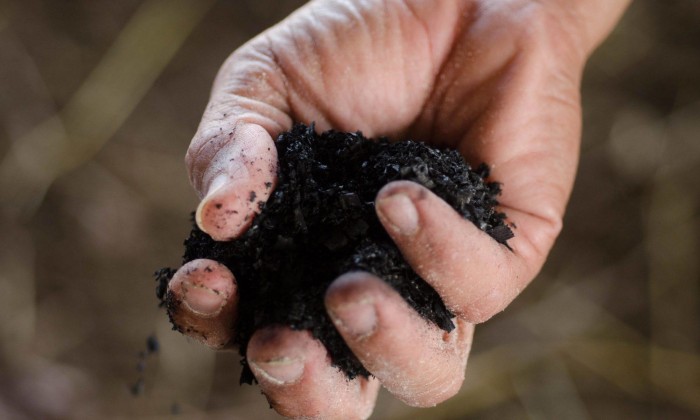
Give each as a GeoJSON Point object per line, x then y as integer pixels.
{"type": "Point", "coordinates": [548, 147]}
{"type": "Point", "coordinates": [194, 169]}
{"type": "Point", "coordinates": [202, 153]}
{"type": "Point", "coordinates": [421, 390]}
{"type": "Point", "coordinates": [259, 108]}
{"type": "Point", "coordinates": [268, 124]}
{"type": "Point", "coordinates": [301, 99]}
{"type": "Point", "coordinates": [448, 283]}
{"type": "Point", "coordinates": [240, 171]}
{"type": "Point", "coordinates": [332, 119]}
{"type": "Point", "coordinates": [566, 93]}
{"type": "Point", "coordinates": [442, 282]}
{"type": "Point", "coordinates": [572, 13]}
{"type": "Point", "coordinates": [556, 189]}
{"type": "Point", "coordinates": [523, 157]}
{"type": "Point", "coordinates": [485, 105]}
{"type": "Point", "coordinates": [281, 75]}
{"type": "Point", "coordinates": [487, 305]}
{"type": "Point", "coordinates": [505, 200]}
{"type": "Point", "coordinates": [316, 51]}
{"type": "Point", "coordinates": [440, 387]}
{"type": "Point", "coordinates": [342, 395]}
{"type": "Point", "coordinates": [243, 160]}
{"type": "Point", "coordinates": [365, 32]}
{"type": "Point", "coordinates": [526, 49]}
{"type": "Point", "coordinates": [377, 29]}
{"type": "Point", "coordinates": [270, 67]}
{"type": "Point", "coordinates": [461, 26]}
{"type": "Point", "coordinates": [547, 228]}
{"type": "Point", "coordinates": [426, 32]}
{"type": "Point", "coordinates": [476, 107]}
{"type": "Point", "coordinates": [202, 138]}
{"type": "Point", "coordinates": [434, 347]}
{"type": "Point", "coordinates": [544, 150]}
{"type": "Point", "coordinates": [553, 194]}
{"type": "Point", "coordinates": [520, 37]}
{"type": "Point", "coordinates": [407, 67]}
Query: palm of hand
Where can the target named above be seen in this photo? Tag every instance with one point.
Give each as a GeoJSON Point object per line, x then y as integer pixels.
{"type": "Point", "coordinates": [468, 75]}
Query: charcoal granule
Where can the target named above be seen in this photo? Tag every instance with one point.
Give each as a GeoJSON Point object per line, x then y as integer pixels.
{"type": "Point", "coordinates": [320, 222]}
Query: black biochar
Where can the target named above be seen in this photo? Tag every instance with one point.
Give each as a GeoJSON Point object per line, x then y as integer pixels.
{"type": "Point", "coordinates": [320, 222]}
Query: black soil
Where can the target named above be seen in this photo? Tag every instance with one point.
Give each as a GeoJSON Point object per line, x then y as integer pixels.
{"type": "Point", "coordinates": [320, 222]}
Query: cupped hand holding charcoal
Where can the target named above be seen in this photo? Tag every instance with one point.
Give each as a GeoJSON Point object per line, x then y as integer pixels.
{"type": "Point", "coordinates": [496, 80]}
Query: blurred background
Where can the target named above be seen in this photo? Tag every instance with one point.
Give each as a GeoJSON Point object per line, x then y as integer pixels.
{"type": "Point", "coordinates": [98, 102]}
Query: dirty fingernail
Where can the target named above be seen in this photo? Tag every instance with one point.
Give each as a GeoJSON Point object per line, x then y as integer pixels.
{"type": "Point", "coordinates": [359, 319]}
{"type": "Point", "coordinates": [216, 185]}
{"type": "Point", "coordinates": [400, 212]}
{"type": "Point", "coordinates": [201, 300]}
{"type": "Point", "coordinates": [279, 371]}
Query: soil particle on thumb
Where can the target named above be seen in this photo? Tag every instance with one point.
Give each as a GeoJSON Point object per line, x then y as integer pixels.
{"type": "Point", "coordinates": [320, 222]}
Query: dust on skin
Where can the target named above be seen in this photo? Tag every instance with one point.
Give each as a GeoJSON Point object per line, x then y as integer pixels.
{"type": "Point", "coordinates": [320, 222]}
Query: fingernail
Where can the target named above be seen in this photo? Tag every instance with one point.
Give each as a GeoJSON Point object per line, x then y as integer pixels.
{"type": "Point", "coordinates": [216, 185]}
{"type": "Point", "coordinates": [201, 300]}
{"type": "Point", "coordinates": [358, 319]}
{"type": "Point", "coordinates": [279, 371]}
{"type": "Point", "coordinates": [400, 212]}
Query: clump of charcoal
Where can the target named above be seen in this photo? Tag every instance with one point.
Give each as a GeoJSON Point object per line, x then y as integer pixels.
{"type": "Point", "coordinates": [320, 222]}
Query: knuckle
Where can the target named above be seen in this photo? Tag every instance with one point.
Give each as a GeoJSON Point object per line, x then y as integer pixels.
{"type": "Point", "coordinates": [484, 308]}
{"type": "Point", "coordinates": [552, 226]}
{"type": "Point", "coordinates": [208, 140]}
{"type": "Point", "coordinates": [481, 313]}
{"type": "Point", "coordinates": [211, 138]}
{"type": "Point", "coordinates": [536, 246]}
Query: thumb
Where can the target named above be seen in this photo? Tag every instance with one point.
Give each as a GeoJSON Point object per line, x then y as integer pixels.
{"type": "Point", "coordinates": [232, 159]}
{"type": "Point", "coordinates": [237, 176]}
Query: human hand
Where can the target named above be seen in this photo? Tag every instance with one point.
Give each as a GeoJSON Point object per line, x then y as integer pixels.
{"type": "Point", "coordinates": [499, 81]}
